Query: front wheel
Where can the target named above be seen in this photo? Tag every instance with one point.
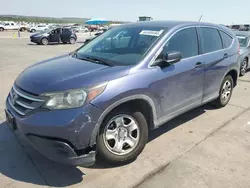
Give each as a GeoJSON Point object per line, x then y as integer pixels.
{"type": "Point", "coordinates": [45, 41]}
{"type": "Point", "coordinates": [226, 91]}
{"type": "Point", "coordinates": [243, 67]}
{"type": "Point", "coordinates": [122, 137]}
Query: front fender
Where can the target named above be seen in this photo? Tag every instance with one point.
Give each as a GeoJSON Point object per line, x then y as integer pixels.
{"type": "Point", "coordinates": [116, 104]}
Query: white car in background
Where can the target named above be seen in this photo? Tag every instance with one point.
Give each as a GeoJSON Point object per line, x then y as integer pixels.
{"type": "Point", "coordinates": [38, 28]}
{"type": "Point", "coordinates": [80, 29]}
{"type": "Point", "coordinates": [8, 26]}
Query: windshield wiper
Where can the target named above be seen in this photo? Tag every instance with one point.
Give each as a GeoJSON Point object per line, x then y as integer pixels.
{"type": "Point", "coordinates": [96, 60]}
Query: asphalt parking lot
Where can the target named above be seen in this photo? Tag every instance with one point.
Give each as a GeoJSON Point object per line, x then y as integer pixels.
{"type": "Point", "coordinates": [205, 147]}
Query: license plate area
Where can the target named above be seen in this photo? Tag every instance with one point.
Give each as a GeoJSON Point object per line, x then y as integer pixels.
{"type": "Point", "coordinates": [10, 120]}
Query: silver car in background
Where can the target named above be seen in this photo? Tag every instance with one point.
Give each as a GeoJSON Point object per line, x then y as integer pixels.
{"type": "Point", "coordinates": [244, 40]}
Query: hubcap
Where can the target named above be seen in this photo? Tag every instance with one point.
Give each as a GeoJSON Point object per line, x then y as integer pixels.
{"type": "Point", "coordinates": [45, 41]}
{"type": "Point", "coordinates": [72, 41]}
{"type": "Point", "coordinates": [121, 135]}
{"type": "Point", "coordinates": [243, 68]}
{"type": "Point", "coordinates": [226, 91]}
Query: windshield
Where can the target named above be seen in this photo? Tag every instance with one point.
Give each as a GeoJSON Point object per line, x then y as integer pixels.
{"type": "Point", "coordinates": [243, 40]}
{"type": "Point", "coordinates": [121, 45]}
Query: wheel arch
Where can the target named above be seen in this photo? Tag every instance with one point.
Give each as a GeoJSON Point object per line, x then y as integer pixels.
{"type": "Point", "coordinates": [234, 73]}
{"type": "Point", "coordinates": [44, 38]}
{"type": "Point", "coordinates": [145, 104]}
{"type": "Point", "coordinates": [247, 58]}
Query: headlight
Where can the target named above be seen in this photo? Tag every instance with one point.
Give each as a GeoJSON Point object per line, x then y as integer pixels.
{"type": "Point", "coordinates": [72, 98]}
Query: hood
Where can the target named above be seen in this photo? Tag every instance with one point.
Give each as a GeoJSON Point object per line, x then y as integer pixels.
{"type": "Point", "coordinates": [66, 72]}
{"type": "Point", "coordinates": [39, 35]}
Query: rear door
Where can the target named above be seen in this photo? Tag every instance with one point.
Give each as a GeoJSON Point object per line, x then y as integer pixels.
{"type": "Point", "coordinates": [216, 60]}
{"type": "Point", "coordinates": [65, 36]}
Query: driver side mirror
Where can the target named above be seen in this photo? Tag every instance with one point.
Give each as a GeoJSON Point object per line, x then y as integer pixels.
{"type": "Point", "coordinates": [168, 58]}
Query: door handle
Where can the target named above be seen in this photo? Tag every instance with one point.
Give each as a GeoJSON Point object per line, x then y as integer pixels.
{"type": "Point", "coordinates": [225, 56]}
{"type": "Point", "coordinates": [198, 65]}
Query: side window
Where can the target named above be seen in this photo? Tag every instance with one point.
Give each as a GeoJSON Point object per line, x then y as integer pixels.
{"type": "Point", "coordinates": [58, 30]}
{"type": "Point", "coordinates": [226, 39]}
{"type": "Point", "coordinates": [210, 40]}
{"type": "Point", "coordinates": [185, 41]}
{"type": "Point", "coordinates": [7, 24]}
{"type": "Point", "coordinates": [12, 24]}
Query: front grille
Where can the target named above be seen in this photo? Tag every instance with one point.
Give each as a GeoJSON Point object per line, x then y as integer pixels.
{"type": "Point", "coordinates": [23, 102]}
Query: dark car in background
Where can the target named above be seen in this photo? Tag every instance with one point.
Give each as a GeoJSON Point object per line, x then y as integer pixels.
{"type": "Point", "coordinates": [102, 99]}
{"type": "Point", "coordinates": [56, 35]}
{"type": "Point", "coordinates": [245, 27]}
{"type": "Point", "coordinates": [244, 40]}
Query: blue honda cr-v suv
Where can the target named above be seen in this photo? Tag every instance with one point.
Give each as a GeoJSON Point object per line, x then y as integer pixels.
{"type": "Point", "coordinates": [103, 98]}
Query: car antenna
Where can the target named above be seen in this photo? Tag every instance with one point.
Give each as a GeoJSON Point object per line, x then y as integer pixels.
{"type": "Point", "coordinates": [200, 18]}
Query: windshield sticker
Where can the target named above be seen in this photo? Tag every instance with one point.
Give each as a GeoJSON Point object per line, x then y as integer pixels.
{"type": "Point", "coordinates": [151, 33]}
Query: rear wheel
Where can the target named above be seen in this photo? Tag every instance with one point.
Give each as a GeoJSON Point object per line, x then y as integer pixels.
{"type": "Point", "coordinates": [122, 136]}
{"type": "Point", "coordinates": [22, 29]}
{"type": "Point", "coordinates": [243, 68]}
{"type": "Point", "coordinates": [226, 91]}
{"type": "Point", "coordinates": [45, 41]}
{"type": "Point", "coordinates": [1, 29]}
{"type": "Point", "coordinates": [72, 40]}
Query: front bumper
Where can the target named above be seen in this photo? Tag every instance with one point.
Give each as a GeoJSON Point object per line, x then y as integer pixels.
{"type": "Point", "coordinates": [60, 151]}
{"type": "Point", "coordinates": [35, 40]}
{"type": "Point", "coordinates": [61, 135]}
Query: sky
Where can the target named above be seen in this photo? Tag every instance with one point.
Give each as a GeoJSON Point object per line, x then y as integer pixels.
{"type": "Point", "coordinates": [216, 11]}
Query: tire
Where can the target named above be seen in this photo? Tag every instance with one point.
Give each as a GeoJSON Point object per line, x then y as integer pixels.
{"type": "Point", "coordinates": [106, 152]}
{"type": "Point", "coordinates": [44, 41]}
{"type": "Point", "coordinates": [33, 30]}
{"type": "Point", "coordinates": [72, 40]}
{"type": "Point", "coordinates": [226, 90]}
{"type": "Point", "coordinates": [243, 67]}
{"type": "Point", "coordinates": [1, 29]}
{"type": "Point", "coordinates": [22, 29]}
{"type": "Point", "coordinates": [64, 42]}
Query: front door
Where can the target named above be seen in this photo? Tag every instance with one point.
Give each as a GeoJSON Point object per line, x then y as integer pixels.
{"type": "Point", "coordinates": [180, 85]}
{"type": "Point", "coordinates": [54, 35]}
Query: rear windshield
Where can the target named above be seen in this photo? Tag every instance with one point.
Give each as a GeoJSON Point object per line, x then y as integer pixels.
{"type": "Point", "coordinates": [122, 45]}
{"type": "Point", "coordinates": [243, 40]}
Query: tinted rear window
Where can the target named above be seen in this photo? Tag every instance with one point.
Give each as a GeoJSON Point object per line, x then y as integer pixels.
{"type": "Point", "coordinates": [243, 40]}
{"type": "Point", "coordinates": [226, 39]}
{"type": "Point", "coordinates": [210, 40]}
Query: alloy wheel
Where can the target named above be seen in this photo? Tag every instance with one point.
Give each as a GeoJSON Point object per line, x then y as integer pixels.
{"type": "Point", "coordinates": [243, 68]}
{"type": "Point", "coordinates": [226, 91]}
{"type": "Point", "coordinates": [72, 41]}
{"type": "Point", "coordinates": [121, 134]}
